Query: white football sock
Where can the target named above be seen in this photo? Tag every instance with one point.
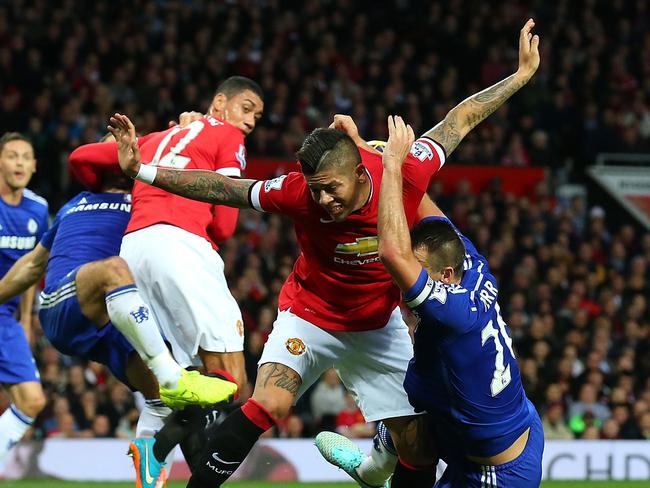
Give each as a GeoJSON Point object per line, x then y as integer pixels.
{"type": "Point", "coordinates": [134, 319]}
{"type": "Point", "coordinates": [152, 418]}
{"type": "Point", "coordinates": [13, 425]}
{"type": "Point", "coordinates": [377, 468]}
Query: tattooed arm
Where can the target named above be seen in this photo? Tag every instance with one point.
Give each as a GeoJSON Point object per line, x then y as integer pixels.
{"type": "Point", "coordinates": [201, 185]}
{"type": "Point", "coordinates": [205, 186]}
{"type": "Point", "coordinates": [473, 110]}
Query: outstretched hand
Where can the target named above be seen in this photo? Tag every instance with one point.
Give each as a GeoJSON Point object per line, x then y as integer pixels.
{"type": "Point", "coordinates": [127, 143]}
{"type": "Point", "coordinates": [400, 140]}
{"type": "Point", "coordinates": [528, 51]}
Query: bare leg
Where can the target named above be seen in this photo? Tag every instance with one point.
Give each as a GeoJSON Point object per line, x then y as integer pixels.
{"type": "Point", "coordinates": [106, 292]}
{"type": "Point", "coordinates": [231, 362]}
{"type": "Point", "coordinates": [275, 390]}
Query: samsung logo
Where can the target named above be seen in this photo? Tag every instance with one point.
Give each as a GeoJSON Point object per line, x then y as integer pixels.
{"type": "Point", "coordinates": [123, 207]}
{"type": "Point", "coordinates": [17, 242]}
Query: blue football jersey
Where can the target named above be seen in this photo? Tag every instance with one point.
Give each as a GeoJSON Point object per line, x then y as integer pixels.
{"type": "Point", "coordinates": [21, 227]}
{"type": "Point", "coordinates": [464, 370]}
{"type": "Point", "coordinates": [87, 228]}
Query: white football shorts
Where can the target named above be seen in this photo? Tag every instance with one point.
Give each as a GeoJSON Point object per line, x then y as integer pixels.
{"type": "Point", "coordinates": [372, 364]}
{"type": "Point", "coordinates": [181, 277]}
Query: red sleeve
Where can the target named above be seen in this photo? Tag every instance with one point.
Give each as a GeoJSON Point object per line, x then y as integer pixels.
{"type": "Point", "coordinates": [224, 223]}
{"type": "Point", "coordinates": [89, 161]}
{"type": "Point", "coordinates": [231, 156]}
{"type": "Point", "coordinates": [425, 160]}
{"type": "Point", "coordinates": [285, 194]}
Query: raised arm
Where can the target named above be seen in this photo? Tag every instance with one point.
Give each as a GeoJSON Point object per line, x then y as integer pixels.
{"type": "Point", "coordinates": [24, 273]}
{"type": "Point", "coordinates": [393, 231]}
{"type": "Point", "coordinates": [201, 185]}
{"type": "Point", "coordinates": [470, 112]}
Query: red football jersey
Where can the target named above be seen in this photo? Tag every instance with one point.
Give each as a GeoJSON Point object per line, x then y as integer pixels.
{"type": "Point", "coordinates": [207, 143]}
{"type": "Point", "coordinates": [338, 281]}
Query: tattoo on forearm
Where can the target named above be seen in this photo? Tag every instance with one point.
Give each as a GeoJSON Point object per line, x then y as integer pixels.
{"type": "Point", "coordinates": [473, 110]}
{"type": "Point", "coordinates": [446, 133]}
{"type": "Point", "coordinates": [281, 376]}
{"type": "Point", "coordinates": [204, 186]}
{"type": "Point", "coordinates": [484, 103]}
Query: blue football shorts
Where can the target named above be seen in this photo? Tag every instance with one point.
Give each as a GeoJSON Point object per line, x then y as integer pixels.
{"type": "Point", "coordinates": [17, 363]}
{"type": "Point", "coordinates": [72, 333]}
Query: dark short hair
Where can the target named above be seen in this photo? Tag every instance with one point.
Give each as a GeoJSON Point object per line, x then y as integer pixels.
{"type": "Point", "coordinates": [12, 136]}
{"type": "Point", "coordinates": [325, 147]}
{"type": "Point", "coordinates": [115, 179]}
{"type": "Point", "coordinates": [442, 243]}
{"type": "Point", "coordinates": [236, 84]}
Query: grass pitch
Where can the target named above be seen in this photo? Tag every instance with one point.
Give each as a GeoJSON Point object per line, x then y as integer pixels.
{"type": "Point", "coordinates": [258, 484]}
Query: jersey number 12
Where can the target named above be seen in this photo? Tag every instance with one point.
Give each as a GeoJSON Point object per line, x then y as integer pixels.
{"type": "Point", "coordinates": [173, 159]}
{"type": "Point", "coordinates": [501, 377]}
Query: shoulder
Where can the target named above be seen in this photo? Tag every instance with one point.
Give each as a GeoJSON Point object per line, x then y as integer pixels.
{"type": "Point", "coordinates": [35, 199]}
{"type": "Point", "coordinates": [291, 183]}
{"type": "Point", "coordinates": [285, 193]}
{"type": "Point", "coordinates": [426, 149]}
{"type": "Point", "coordinates": [371, 160]}
{"type": "Point", "coordinates": [222, 128]}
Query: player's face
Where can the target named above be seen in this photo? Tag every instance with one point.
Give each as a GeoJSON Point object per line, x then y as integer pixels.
{"type": "Point", "coordinates": [337, 191]}
{"type": "Point", "coordinates": [17, 164]}
{"type": "Point", "coordinates": [242, 110]}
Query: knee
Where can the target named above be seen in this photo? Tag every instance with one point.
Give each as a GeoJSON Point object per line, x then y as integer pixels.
{"type": "Point", "coordinates": [413, 440]}
{"type": "Point", "coordinates": [116, 266]}
{"type": "Point", "coordinates": [31, 403]}
{"type": "Point", "coordinates": [277, 407]}
{"type": "Point", "coordinates": [116, 273]}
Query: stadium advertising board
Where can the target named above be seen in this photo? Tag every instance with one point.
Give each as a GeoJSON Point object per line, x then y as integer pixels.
{"type": "Point", "coordinates": [630, 186]}
{"type": "Point", "coordinates": [518, 181]}
{"type": "Point", "coordinates": [298, 460]}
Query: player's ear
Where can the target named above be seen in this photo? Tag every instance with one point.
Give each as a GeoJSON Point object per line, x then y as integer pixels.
{"type": "Point", "coordinates": [218, 106]}
{"type": "Point", "coordinates": [448, 275]}
{"type": "Point", "coordinates": [360, 172]}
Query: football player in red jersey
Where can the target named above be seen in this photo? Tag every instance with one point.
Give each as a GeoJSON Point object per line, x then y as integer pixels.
{"type": "Point", "coordinates": [339, 305]}
{"type": "Point", "coordinates": [170, 241]}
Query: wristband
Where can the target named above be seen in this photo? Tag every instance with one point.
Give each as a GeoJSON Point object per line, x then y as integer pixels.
{"type": "Point", "coordinates": [146, 173]}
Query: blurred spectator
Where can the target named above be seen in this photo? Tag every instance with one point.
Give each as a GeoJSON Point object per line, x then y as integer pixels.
{"type": "Point", "coordinates": [350, 421]}
{"type": "Point", "coordinates": [554, 423]}
{"type": "Point", "coordinates": [328, 399]}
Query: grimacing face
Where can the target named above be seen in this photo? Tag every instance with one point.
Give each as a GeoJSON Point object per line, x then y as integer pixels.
{"type": "Point", "coordinates": [17, 164]}
{"type": "Point", "coordinates": [338, 190]}
{"type": "Point", "coordinates": [242, 110]}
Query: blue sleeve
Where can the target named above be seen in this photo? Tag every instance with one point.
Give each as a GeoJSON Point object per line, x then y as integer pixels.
{"type": "Point", "coordinates": [48, 236]}
{"type": "Point", "coordinates": [449, 305]}
{"type": "Point", "coordinates": [44, 224]}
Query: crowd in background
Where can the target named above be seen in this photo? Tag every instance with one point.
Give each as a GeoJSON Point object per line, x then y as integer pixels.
{"type": "Point", "coordinates": [65, 66]}
{"type": "Point", "coordinates": [573, 283]}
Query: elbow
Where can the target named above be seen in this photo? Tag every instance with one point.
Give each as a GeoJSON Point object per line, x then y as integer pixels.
{"type": "Point", "coordinates": [389, 255]}
{"type": "Point", "coordinates": [76, 157]}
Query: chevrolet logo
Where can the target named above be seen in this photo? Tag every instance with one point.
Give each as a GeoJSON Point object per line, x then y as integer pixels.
{"type": "Point", "coordinates": [363, 246]}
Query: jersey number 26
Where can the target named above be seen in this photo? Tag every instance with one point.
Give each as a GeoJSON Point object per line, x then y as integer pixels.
{"type": "Point", "coordinates": [501, 377]}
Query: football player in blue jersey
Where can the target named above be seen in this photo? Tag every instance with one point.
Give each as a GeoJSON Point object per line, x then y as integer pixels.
{"type": "Point", "coordinates": [23, 220]}
{"type": "Point", "coordinates": [464, 373]}
{"type": "Point", "coordinates": [91, 308]}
